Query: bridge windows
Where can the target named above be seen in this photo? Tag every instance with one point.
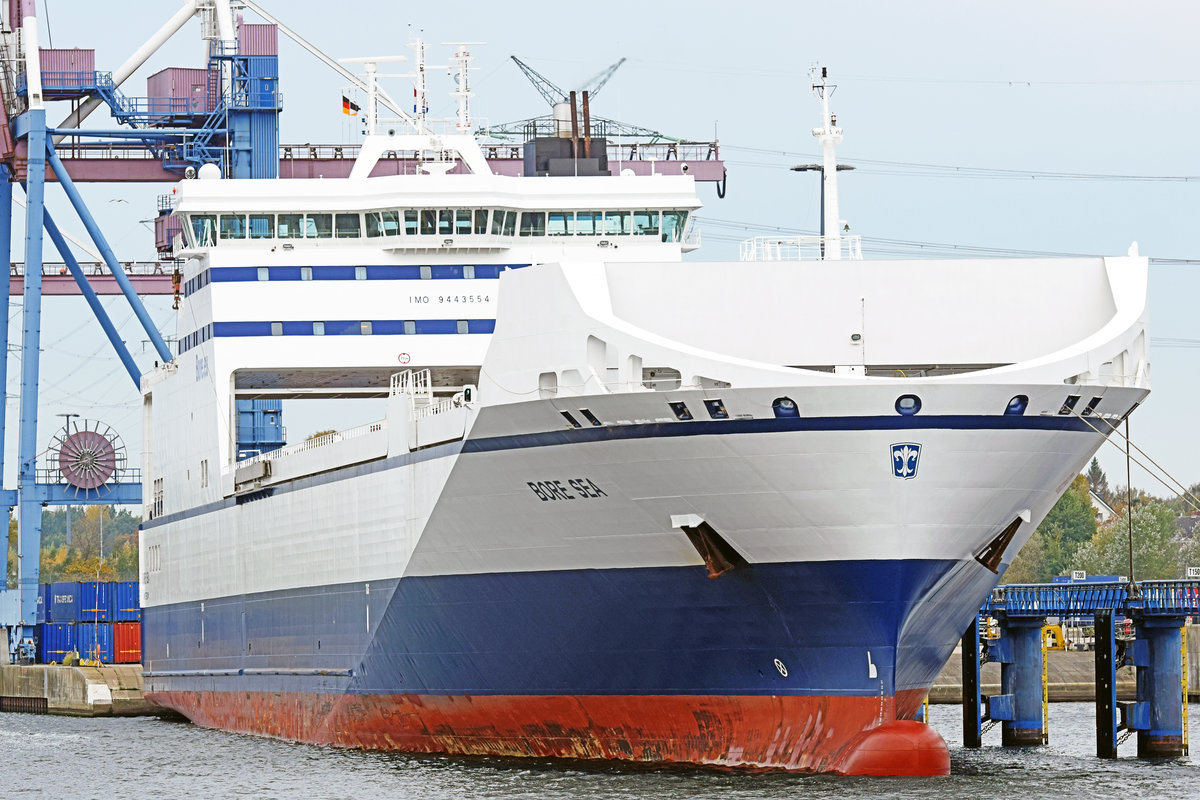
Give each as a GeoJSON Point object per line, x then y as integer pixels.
{"type": "Point", "coordinates": [290, 226]}
{"type": "Point", "coordinates": [347, 226]}
{"type": "Point", "coordinates": [533, 223]}
{"type": "Point", "coordinates": [318, 226]}
{"type": "Point", "coordinates": [261, 226]}
{"type": "Point", "coordinates": [233, 226]}
{"type": "Point", "coordinates": [207, 230]}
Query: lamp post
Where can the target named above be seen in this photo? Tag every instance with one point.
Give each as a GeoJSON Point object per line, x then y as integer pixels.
{"type": "Point", "coordinates": [66, 434]}
{"type": "Point", "coordinates": [821, 169]}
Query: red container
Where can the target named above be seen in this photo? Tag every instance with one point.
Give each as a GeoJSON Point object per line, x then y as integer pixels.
{"type": "Point", "coordinates": [258, 40]}
{"type": "Point", "coordinates": [179, 90]}
{"type": "Point", "coordinates": [127, 645]}
{"type": "Point", "coordinates": [66, 61]}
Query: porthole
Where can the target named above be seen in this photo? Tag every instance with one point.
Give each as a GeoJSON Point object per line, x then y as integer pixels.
{"type": "Point", "coordinates": [785, 408]}
{"type": "Point", "coordinates": [908, 404]}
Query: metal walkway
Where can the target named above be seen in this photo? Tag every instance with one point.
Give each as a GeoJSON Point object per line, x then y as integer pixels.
{"type": "Point", "coordinates": [1151, 598]}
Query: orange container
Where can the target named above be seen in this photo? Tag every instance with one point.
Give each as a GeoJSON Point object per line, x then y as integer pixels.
{"type": "Point", "coordinates": [128, 642]}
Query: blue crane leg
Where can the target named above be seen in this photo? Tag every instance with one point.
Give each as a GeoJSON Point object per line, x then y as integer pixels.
{"type": "Point", "coordinates": [135, 302]}
{"type": "Point", "coordinates": [29, 511]}
{"type": "Point", "coordinates": [93, 301]}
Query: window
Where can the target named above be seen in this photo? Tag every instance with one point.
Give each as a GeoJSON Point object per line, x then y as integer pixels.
{"type": "Point", "coordinates": [233, 226]}
{"type": "Point", "coordinates": [264, 274]}
{"type": "Point", "coordinates": [462, 327]}
{"type": "Point", "coordinates": [360, 273]}
{"type": "Point", "coordinates": [365, 327]}
{"type": "Point", "coordinates": [204, 228]}
{"type": "Point", "coordinates": [481, 221]}
{"type": "Point", "coordinates": [277, 329]}
{"type": "Point", "coordinates": [306, 273]}
{"type": "Point", "coordinates": [673, 224]}
{"type": "Point", "coordinates": [510, 223]}
{"type": "Point", "coordinates": [319, 226]}
{"type": "Point", "coordinates": [410, 327]}
{"type": "Point", "coordinates": [426, 272]}
{"type": "Point", "coordinates": [383, 223]}
{"type": "Point", "coordinates": [616, 223]}
{"type": "Point", "coordinates": [558, 223]}
{"type": "Point", "coordinates": [908, 404]}
{"type": "Point", "coordinates": [318, 329]}
{"type": "Point", "coordinates": [645, 223]}
{"type": "Point", "coordinates": [468, 271]}
{"type": "Point", "coordinates": [445, 222]}
{"type": "Point", "coordinates": [462, 222]}
{"type": "Point", "coordinates": [156, 509]}
{"type": "Point", "coordinates": [533, 223]}
{"type": "Point", "coordinates": [261, 225]}
{"type": "Point", "coordinates": [428, 223]}
{"type": "Point", "coordinates": [589, 223]}
{"type": "Point", "coordinates": [290, 226]}
{"type": "Point", "coordinates": [498, 222]}
{"type": "Point", "coordinates": [347, 226]}
{"type": "Point", "coordinates": [411, 218]}
{"type": "Point", "coordinates": [204, 473]}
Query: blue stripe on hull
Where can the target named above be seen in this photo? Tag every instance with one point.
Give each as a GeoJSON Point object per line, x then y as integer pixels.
{"type": "Point", "coordinates": [629, 631]}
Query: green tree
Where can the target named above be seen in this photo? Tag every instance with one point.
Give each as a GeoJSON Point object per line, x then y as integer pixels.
{"type": "Point", "coordinates": [1049, 551]}
{"type": "Point", "coordinates": [1099, 481]}
{"type": "Point", "coordinates": [1158, 554]}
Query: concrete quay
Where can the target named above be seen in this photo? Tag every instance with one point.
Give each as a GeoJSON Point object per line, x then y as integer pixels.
{"type": "Point", "coordinates": [108, 691]}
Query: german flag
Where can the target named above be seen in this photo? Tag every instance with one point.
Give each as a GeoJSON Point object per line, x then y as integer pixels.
{"type": "Point", "coordinates": [349, 106]}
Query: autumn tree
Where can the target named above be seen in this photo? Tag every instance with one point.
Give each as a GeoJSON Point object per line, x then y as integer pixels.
{"type": "Point", "coordinates": [1070, 524]}
{"type": "Point", "coordinates": [1158, 553]}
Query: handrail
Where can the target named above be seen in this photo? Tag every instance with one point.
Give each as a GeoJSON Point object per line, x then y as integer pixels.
{"type": "Point", "coordinates": [315, 442]}
{"type": "Point", "coordinates": [1167, 598]}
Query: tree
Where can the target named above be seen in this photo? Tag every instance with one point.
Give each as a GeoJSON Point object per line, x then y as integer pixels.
{"type": "Point", "coordinates": [1099, 481]}
{"type": "Point", "coordinates": [1157, 553]}
{"type": "Point", "coordinates": [1069, 524]}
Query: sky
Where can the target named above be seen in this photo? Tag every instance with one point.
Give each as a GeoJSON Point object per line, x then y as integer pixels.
{"type": "Point", "coordinates": [1042, 127]}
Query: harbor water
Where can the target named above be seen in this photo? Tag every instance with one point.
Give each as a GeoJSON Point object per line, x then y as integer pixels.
{"type": "Point", "coordinates": [85, 758]}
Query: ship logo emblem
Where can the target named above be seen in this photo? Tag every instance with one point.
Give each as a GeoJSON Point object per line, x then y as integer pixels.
{"type": "Point", "coordinates": [904, 459]}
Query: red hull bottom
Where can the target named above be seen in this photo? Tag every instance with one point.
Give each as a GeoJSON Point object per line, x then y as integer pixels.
{"type": "Point", "coordinates": [850, 735]}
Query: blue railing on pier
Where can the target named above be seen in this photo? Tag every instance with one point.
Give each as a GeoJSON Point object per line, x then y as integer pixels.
{"type": "Point", "coordinates": [1156, 598]}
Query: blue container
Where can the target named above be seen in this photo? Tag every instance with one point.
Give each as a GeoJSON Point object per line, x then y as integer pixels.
{"type": "Point", "coordinates": [43, 603]}
{"type": "Point", "coordinates": [55, 640]}
{"type": "Point", "coordinates": [64, 602]}
{"type": "Point", "coordinates": [94, 641]}
{"type": "Point", "coordinates": [95, 601]}
{"type": "Point", "coordinates": [127, 606]}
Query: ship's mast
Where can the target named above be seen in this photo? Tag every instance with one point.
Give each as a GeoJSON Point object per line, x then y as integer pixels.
{"type": "Point", "coordinates": [830, 136]}
{"type": "Point", "coordinates": [462, 86]}
{"type": "Point", "coordinates": [371, 69]}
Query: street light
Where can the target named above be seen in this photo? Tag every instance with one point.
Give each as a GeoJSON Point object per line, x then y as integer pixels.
{"type": "Point", "coordinates": [821, 169]}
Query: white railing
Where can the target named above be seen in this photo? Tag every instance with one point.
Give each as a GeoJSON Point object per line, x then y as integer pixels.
{"type": "Point", "coordinates": [441, 406]}
{"type": "Point", "coordinates": [315, 442]}
{"type": "Point", "coordinates": [801, 248]}
{"type": "Point", "coordinates": [417, 384]}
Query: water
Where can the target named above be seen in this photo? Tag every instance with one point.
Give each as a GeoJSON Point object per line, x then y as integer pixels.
{"type": "Point", "coordinates": [59, 757]}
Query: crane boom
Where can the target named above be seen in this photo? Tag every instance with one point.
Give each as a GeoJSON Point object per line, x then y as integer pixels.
{"type": "Point", "coordinates": [548, 90]}
{"type": "Point", "coordinates": [598, 80]}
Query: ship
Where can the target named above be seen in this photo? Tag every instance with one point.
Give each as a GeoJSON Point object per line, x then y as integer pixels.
{"type": "Point", "coordinates": [620, 505]}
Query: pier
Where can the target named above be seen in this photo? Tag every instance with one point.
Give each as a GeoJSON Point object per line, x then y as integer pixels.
{"type": "Point", "coordinates": [102, 691]}
{"type": "Point", "coordinates": [1152, 639]}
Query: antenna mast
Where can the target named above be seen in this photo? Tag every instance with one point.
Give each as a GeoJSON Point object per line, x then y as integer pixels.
{"type": "Point", "coordinates": [462, 91]}
{"type": "Point", "coordinates": [829, 136]}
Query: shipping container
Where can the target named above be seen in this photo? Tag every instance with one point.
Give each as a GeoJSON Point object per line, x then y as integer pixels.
{"type": "Point", "coordinates": [55, 640]}
{"type": "Point", "coordinates": [127, 605]}
{"type": "Point", "coordinates": [179, 90]}
{"type": "Point", "coordinates": [258, 40]}
{"type": "Point", "coordinates": [75, 62]}
{"type": "Point", "coordinates": [128, 639]}
{"type": "Point", "coordinates": [43, 603]}
{"type": "Point", "coordinates": [94, 641]}
{"type": "Point", "coordinates": [64, 602]}
{"type": "Point", "coordinates": [95, 601]}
